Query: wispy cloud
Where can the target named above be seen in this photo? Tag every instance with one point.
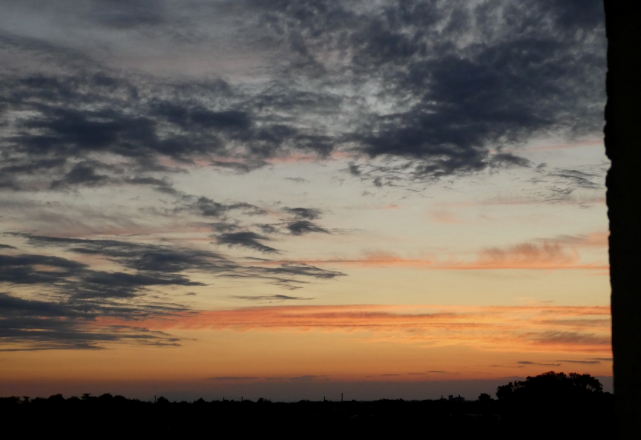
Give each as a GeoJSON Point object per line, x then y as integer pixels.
{"type": "Point", "coordinates": [592, 362]}
{"type": "Point", "coordinates": [72, 295]}
{"type": "Point", "coordinates": [555, 254]}
{"type": "Point", "coordinates": [538, 364]}
{"type": "Point", "coordinates": [270, 298]}
{"type": "Point", "coordinates": [486, 328]}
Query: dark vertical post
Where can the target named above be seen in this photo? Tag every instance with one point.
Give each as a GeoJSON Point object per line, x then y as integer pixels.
{"type": "Point", "coordinates": [623, 147]}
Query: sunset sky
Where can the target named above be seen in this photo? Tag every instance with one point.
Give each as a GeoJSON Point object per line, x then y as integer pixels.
{"type": "Point", "coordinates": [293, 199]}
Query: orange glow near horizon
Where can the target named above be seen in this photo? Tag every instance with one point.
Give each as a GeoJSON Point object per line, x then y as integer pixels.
{"type": "Point", "coordinates": [516, 328]}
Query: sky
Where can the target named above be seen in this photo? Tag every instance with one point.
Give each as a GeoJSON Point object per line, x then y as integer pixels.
{"type": "Point", "coordinates": [292, 199]}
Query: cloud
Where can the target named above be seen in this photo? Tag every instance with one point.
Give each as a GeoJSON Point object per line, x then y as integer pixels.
{"type": "Point", "coordinates": [77, 280]}
{"type": "Point", "coordinates": [297, 179]}
{"type": "Point", "coordinates": [234, 378]}
{"type": "Point", "coordinates": [445, 87]}
{"type": "Point", "coordinates": [270, 298]}
{"type": "Point", "coordinates": [581, 323]}
{"type": "Point", "coordinates": [580, 362]}
{"type": "Point", "coordinates": [528, 255]}
{"type": "Point", "coordinates": [142, 257]}
{"type": "Point", "coordinates": [554, 254]}
{"type": "Point", "coordinates": [123, 15]}
{"type": "Point", "coordinates": [538, 364]}
{"type": "Point", "coordinates": [245, 239]}
{"type": "Point", "coordinates": [565, 338]}
{"type": "Point", "coordinates": [303, 213]}
{"type": "Point", "coordinates": [224, 227]}
{"type": "Point", "coordinates": [371, 259]}
{"type": "Point", "coordinates": [302, 227]}
{"type": "Point", "coordinates": [82, 174]}
{"type": "Point", "coordinates": [301, 269]}
{"type": "Point", "coordinates": [165, 263]}
{"type": "Point", "coordinates": [595, 239]}
{"type": "Point", "coordinates": [72, 299]}
{"type": "Point", "coordinates": [484, 328]}
{"type": "Point", "coordinates": [210, 208]}
{"type": "Point", "coordinates": [581, 179]}
{"type": "Point", "coordinates": [32, 325]}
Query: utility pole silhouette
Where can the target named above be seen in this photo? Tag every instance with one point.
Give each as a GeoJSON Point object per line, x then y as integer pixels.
{"type": "Point", "coordinates": [623, 148]}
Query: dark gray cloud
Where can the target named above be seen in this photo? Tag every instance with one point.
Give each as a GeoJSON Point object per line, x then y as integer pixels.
{"type": "Point", "coordinates": [249, 240]}
{"type": "Point", "coordinates": [290, 276]}
{"type": "Point", "coordinates": [268, 229]}
{"type": "Point", "coordinates": [538, 364]}
{"type": "Point", "coordinates": [304, 213]}
{"type": "Point", "coordinates": [445, 85]}
{"type": "Point", "coordinates": [71, 294]}
{"type": "Point", "coordinates": [46, 325]}
{"type": "Point", "coordinates": [155, 265]}
{"type": "Point", "coordinates": [451, 100]}
{"type": "Point", "coordinates": [76, 280]}
{"type": "Point", "coordinates": [164, 265]}
{"type": "Point", "coordinates": [209, 208]}
{"type": "Point", "coordinates": [223, 227]}
{"type": "Point", "coordinates": [301, 227]}
{"type": "Point", "coordinates": [297, 179]}
{"type": "Point", "coordinates": [580, 362]}
{"type": "Point", "coordinates": [292, 269]}
{"type": "Point", "coordinates": [581, 179]}
{"type": "Point", "coordinates": [126, 14]}
{"type": "Point", "coordinates": [37, 269]}
{"type": "Point", "coordinates": [141, 257]}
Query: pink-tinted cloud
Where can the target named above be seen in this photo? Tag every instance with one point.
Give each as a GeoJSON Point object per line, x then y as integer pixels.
{"type": "Point", "coordinates": [553, 254]}
{"type": "Point", "coordinates": [491, 328]}
{"type": "Point", "coordinates": [445, 217]}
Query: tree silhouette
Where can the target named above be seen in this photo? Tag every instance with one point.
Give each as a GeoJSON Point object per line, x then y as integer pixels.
{"type": "Point", "coordinates": [551, 386]}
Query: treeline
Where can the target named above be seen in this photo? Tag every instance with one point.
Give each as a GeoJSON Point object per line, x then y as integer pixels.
{"type": "Point", "coordinates": [552, 405]}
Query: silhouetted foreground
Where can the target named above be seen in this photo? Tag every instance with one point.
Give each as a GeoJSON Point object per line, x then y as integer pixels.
{"type": "Point", "coordinates": [550, 406]}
